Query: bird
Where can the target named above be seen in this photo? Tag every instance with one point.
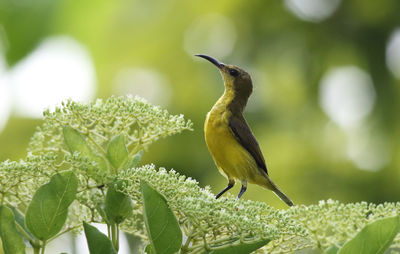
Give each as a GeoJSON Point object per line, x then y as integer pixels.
{"type": "Point", "coordinates": [229, 138]}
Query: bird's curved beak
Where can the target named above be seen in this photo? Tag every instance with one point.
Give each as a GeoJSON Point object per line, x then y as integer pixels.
{"type": "Point", "coordinates": [212, 60]}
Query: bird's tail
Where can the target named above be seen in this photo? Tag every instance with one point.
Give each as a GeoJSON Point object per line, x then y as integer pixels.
{"type": "Point", "coordinates": [281, 195]}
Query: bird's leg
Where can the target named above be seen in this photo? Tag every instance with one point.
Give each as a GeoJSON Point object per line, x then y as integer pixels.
{"type": "Point", "coordinates": [230, 185]}
{"type": "Point", "coordinates": [243, 189]}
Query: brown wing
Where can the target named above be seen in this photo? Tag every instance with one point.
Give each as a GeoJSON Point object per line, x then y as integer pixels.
{"type": "Point", "coordinates": [246, 138]}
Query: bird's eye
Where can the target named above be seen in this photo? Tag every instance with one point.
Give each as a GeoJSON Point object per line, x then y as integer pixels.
{"type": "Point", "coordinates": [233, 72]}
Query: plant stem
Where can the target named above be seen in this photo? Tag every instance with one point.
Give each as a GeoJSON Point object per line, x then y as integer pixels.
{"type": "Point", "coordinates": [63, 232]}
{"type": "Point", "coordinates": [117, 243]}
{"type": "Point", "coordinates": [23, 232]}
{"type": "Point", "coordinates": [184, 248]}
{"type": "Point", "coordinates": [43, 247]}
{"type": "Point", "coordinates": [114, 236]}
{"type": "Point", "coordinates": [36, 250]}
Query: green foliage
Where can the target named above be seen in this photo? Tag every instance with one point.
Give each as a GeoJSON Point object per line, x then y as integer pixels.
{"type": "Point", "coordinates": [332, 250]}
{"type": "Point", "coordinates": [13, 242]}
{"type": "Point", "coordinates": [205, 220]}
{"type": "Point", "coordinates": [100, 208]}
{"type": "Point", "coordinates": [98, 148]}
{"type": "Point", "coordinates": [101, 121]}
{"type": "Point", "coordinates": [374, 238]}
{"type": "Point", "coordinates": [318, 226]}
{"type": "Point", "coordinates": [332, 223]}
{"type": "Point", "coordinates": [286, 56]}
{"type": "Point", "coordinates": [77, 143]}
{"type": "Point", "coordinates": [20, 220]}
{"type": "Point", "coordinates": [165, 234]}
{"type": "Point", "coordinates": [19, 180]}
{"type": "Point", "coordinates": [239, 248]}
{"type": "Point", "coordinates": [117, 153]}
{"type": "Point", "coordinates": [161, 224]}
{"type": "Point", "coordinates": [118, 206]}
{"type": "Point", "coordinates": [98, 243]}
{"type": "Point", "coordinates": [134, 162]}
{"type": "Point", "coordinates": [48, 209]}
{"type": "Point", "coordinates": [148, 249]}
{"type": "Point", "coordinates": [76, 138]}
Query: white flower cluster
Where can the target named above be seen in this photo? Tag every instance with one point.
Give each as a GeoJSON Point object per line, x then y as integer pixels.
{"type": "Point", "coordinates": [203, 218]}
{"type": "Point", "coordinates": [97, 123]}
{"type": "Point", "coordinates": [208, 221]}
{"type": "Point", "coordinates": [100, 121]}
{"type": "Point", "coordinates": [205, 221]}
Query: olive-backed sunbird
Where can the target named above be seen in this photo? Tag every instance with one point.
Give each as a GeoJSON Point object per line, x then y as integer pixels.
{"type": "Point", "coordinates": [229, 138]}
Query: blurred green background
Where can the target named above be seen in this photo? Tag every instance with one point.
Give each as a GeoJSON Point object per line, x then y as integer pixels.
{"type": "Point", "coordinates": [326, 79]}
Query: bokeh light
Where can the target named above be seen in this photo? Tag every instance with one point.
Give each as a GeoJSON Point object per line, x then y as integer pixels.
{"type": "Point", "coordinates": [60, 68]}
{"type": "Point", "coordinates": [212, 34]}
{"type": "Point", "coordinates": [347, 95]}
{"type": "Point", "coordinates": [368, 150]}
{"type": "Point", "coordinates": [326, 79]}
{"type": "Point", "coordinates": [312, 10]}
{"type": "Point", "coordinates": [146, 83]}
{"type": "Point", "coordinates": [393, 53]}
{"type": "Point", "coordinates": [5, 102]}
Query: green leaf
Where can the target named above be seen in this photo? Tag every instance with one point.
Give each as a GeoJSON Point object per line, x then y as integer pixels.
{"type": "Point", "coordinates": [374, 238]}
{"type": "Point", "coordinates": [240, 248]}
{"type": "Point", "coordinates": [48, 209]}
{"type": "Point", "coordinates": [148, 249]}
{"type": "Point", "coordinates": [101, 211]}
{"type": "Point", "coordinates": [135, 160]}
{"type": "Point", "coordinates": [13, 243]}
{"type": "Point", "coordinates": [332, 250]}
{"type": "Point", "coordinates": [101, 163]}
{"type": "Point", "coordinates": [20, 220]}
{"type": "Point", "coordinates": [98, 242]}
{"type": "Point", "coordinates": [116, 151]}
{"type": "Point", "coordinates": [118, 206]}
{"type": "Point", "coordinates": [77, 143]}
{"type": "Point", "coordinates": [161, 224]}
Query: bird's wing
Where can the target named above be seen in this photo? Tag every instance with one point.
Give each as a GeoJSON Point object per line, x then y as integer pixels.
{"type": "Point", "coordinates": [243, 134]}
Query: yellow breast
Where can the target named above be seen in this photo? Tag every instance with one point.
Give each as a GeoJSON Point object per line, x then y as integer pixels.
{"type": "Point", "coordinates": [231, 158]}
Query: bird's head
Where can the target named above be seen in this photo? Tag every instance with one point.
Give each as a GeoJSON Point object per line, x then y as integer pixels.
{"type": "Point", "coordinates": [235, 78]}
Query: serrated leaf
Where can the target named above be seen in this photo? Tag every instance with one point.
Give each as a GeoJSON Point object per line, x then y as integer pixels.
{"type": "Point", "coordinates": [135, 160]}
{"type": "Point", "coordinates": [98, 243]}
{"type": "Point", "coordinates": [161, 224]}
{"type": "Point", "coordinates": [374, 238]}
{"type": "Point", "coordinates": [240, 248]}
{"type": "Point", "coordinates": [116, 151]}
{"type": "Point", "coordinates": [118, 206]}
{"type": "Point", "coordinates": [48, 209]}
{"type": "Point", "coordinates": [12, 240]}
{"type": "Point", "coordinates": [77, 143]}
